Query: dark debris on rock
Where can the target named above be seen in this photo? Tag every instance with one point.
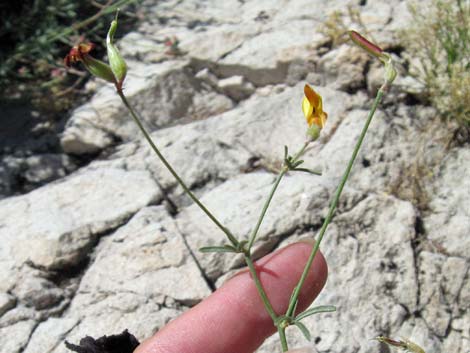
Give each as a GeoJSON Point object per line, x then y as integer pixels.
{"type": "Point", "coordinates": [121, 343]}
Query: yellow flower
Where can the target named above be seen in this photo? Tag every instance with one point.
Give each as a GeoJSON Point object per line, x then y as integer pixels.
{"type": "Point", "coordinates": [313, 108]}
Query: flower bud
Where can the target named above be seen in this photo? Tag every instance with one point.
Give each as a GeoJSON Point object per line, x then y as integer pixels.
{"type": "Point", "coordinates": [117, 63]}
{"type": "Point", "coordinates": [374, 50]}
{"type": "Point", "coordinates": [367, 45]}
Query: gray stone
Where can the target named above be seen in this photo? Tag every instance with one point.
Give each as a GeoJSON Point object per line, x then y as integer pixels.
{"type": "Point", "coordinates": [448, 225]}
{"type": "Point", "coordinates": [37, 292]}
{"type": "Point", "coordinates": [288, 212]}
{"type": "Point", "coordinates": [63, 223]}
{"type": "Point", "coordinates": [7, 302]}
{"type": "Point", "coordinates": [15, 337]}
{"type": "Point", "coordinates": [344, 67]}
{"type": "Point", "coordinates": [50, 335]}
{"type": "Point", "coordinates": [160, 93]}
{"type": "Point", "coordinates": [147, 257]}
{"type": "Point", "coordinates": [371, 274]}
{"type": "Point", "coordinates": [397, 248]}
{"type": "Point", "coordinates": [441, 280]}
{"type": "Point", "coordinates": [143, 276]}
{"type": "Point", "coordinates": [236, 87]}
{"type": "Point", "coordinates": [47, 167]}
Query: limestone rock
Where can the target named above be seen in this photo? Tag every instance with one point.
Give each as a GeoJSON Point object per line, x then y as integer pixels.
{"type": "Point", "coordinates": [344, 67]}
{"type": "Point", "coordinates": [236, 87]}
{"type": "Point", "coordinates": [449, 223]}
{"type": "Point", "coordinates": [63, 223]}
{"type": "Point", "coordinates": [136, 269]}
{"type": "Point", "coordinates": [7, 302]}
{"type": "Point", "coordinates": [15, 337]}
{"type": "Point", "coordinates": [86, 255]}
{"type": "Point", "coordinates": [441, 281]}
{"type": "Point", "coordinates": [37, 292]}
{"type": "Point", "coordinates": [291, 209]}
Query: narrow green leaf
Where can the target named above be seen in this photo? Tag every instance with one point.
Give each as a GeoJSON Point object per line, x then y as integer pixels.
{"type": "Point", "coordinates": [315, 310]}
{"type": "Point", "coordinates": [225, 248]}
{"type": "Point", "coordinates": [307, 171]}
{"type": "Point", "coordinates": [304, 330]}
{"type": "Point", "coordinates": [295, 305]}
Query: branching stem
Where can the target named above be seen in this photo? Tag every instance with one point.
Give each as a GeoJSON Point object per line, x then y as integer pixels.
{"type": "Point", "coordinates": [137, 120]}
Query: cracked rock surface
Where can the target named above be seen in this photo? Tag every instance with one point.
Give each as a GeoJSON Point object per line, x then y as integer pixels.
{"type": "Point", "coordinates": [114, 245]}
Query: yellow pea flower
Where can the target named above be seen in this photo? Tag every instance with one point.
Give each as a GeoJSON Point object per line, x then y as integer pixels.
{"type": "Point", "coordinates": [313, 108]}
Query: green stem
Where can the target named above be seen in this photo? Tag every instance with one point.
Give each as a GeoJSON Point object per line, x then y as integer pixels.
{"type": "Point", "coordinates": [284, 170]}
{"type": "Point", "coordinates": [265, 208]}
{"type": "Point", "coordinates": [298, 287]}
{"type": "Point", "coordinates": [267, 304]}
{"type": "Point", "coordinates": [230, 236]}
{"type": "Point", "coordinates": [283, 339]}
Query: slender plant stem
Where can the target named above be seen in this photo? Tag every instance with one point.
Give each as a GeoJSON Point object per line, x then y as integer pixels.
{"type": "Point", "coordinates": [262, 293]}
{"type": "Point", "coordinates": [283, 339]}
{"type": "Point", "coordinates": [137, 120]}
{"type": "Point", "coordinates": [265, 208]}
{"type": "Point", "coordinates": [334, 203]}
{"type": "Point", "coordinates": [267, 304]}
{"type": "Point", "coordinates": [281, 174]}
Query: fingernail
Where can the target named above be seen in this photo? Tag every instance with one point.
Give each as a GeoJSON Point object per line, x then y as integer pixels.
{"type": "Point", "coordinates": [234, 274]}
{"type": "Point", "coordinates": [308, 241]}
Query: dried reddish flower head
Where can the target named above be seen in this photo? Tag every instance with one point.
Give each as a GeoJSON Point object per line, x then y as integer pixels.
{"type": "Point", "coordinates": [77, 53]}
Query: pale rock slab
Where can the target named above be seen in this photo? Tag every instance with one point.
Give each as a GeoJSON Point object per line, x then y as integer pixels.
{"type": "Point", "coordinates": [58, 222]}
{"type": "Point", "coordinates": [15, 337]}
{"type": "Point", "coordinates": [297, 204]}
{"type": "Point", "coordinates": [36, 292]}
{"type": "Point", "coordinates": [448, 225]}
{"type": "Point", "coordinates": [441, 280]}
{"type": "Point", "coordinates": [143, 276]}
{"type": "Point", "coordinates": [54, 228]}
{"type": "Point", "coordinates": [7, 302]}
{"type": "Point", "coordinates": [370, 246]}
{"type": "Point", "coordinates": [50, 335]}
{"type": "Point", "coordinates": [146, 257]}
{"type": "Point", "coordinates": [236, 87]}
{"type": "Point", "coordinates": [160, 93]}
{"type": "Point", "coordinates": [371, 275]}
{"type": "Point", "coordinates": [344, 67]}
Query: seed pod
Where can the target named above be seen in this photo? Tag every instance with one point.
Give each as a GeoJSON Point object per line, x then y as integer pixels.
{"type": "Point", "coordinates": [81, 52]}
{"type": "Point", "coordinates": [117, 63]}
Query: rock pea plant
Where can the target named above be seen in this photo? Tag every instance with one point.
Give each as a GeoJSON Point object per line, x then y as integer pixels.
{"type": "Point", "coordinates": [316, 117]}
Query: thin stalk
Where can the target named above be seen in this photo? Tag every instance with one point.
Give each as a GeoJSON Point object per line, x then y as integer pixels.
{"type": "Point", "coordinates": [267, 304]}
{"type": "Point", "coordinates": [283, 339]}
{"type": "Point", "coordinates": [230, 236]}
{"type": "Point", "coordinates": [265, 207]}
{"type": "Point", "coordinates": [284, 170]}
{"type": "Point", "coordinates": [333, 205]}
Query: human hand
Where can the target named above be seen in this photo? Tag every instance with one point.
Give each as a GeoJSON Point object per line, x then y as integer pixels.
{"type": "Point", "coordinates": [233, 319]}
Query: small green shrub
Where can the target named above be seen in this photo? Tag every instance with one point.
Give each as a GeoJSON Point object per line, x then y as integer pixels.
{"type": "Point", "coordinates": [438, 42]}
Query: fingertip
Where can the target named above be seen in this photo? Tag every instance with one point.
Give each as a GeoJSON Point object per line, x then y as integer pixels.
{"type": "Point", "coordinates": [233, 319]}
